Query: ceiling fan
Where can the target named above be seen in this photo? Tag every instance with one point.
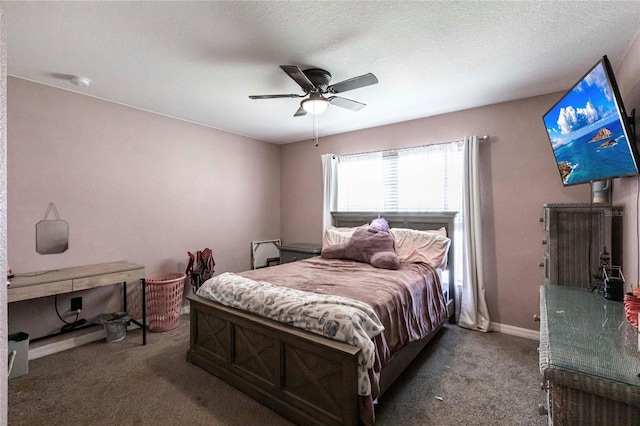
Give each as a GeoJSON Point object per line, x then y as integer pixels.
{"type": "Point", "coordinates": [315, 83]}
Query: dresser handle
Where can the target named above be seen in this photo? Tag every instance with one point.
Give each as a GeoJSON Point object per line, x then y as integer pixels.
{"type": "Point", "coordinates": [541, 264]}
{"type": "Point", "coordinates": [536, 317]}
{"type": "Point", "coordinates": [544, 242]}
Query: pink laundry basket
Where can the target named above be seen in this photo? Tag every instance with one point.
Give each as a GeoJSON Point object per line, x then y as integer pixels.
{"type": "Point", "coordinates": [164, 300]}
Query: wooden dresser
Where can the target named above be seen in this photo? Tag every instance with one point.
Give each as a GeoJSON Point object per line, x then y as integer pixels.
{"type": "Point", "coordinates": [589, 359]}
{"type": "Point", "coordinates": [569, 252]}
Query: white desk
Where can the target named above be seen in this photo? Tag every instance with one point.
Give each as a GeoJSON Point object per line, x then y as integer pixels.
{"type": "Point", "coordinates": [49, 283]}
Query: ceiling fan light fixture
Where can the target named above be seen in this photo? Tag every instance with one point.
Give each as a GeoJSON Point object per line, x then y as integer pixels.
{"type": "Point", "coordinates": [315, 83]}
{"type": "Point", "coordinates": [315, 104]}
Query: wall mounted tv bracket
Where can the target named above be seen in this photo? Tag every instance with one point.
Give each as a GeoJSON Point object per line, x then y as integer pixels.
{"type": "Point", "coordinates": [632, 124]}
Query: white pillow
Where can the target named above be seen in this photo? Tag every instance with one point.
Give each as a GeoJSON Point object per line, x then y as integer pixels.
{"type": "Point", "coordinates": [413, 246]}
{"type": "Point", "coordinates": [333, 235]}
{"type": "Point", "coordinates": [442, 231]}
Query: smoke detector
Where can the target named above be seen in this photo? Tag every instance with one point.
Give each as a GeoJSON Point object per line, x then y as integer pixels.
{"type": "Point", "coordinates": [80, 81]}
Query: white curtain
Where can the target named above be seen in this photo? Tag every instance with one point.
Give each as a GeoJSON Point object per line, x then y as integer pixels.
{"type": "Point", "coordinates": [474, 313]}
{"type": "Point", "coordinates": [329, 175]}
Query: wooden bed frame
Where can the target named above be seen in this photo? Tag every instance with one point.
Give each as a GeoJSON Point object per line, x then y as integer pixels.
{"type": "Point", "coordinates": [306, 378]}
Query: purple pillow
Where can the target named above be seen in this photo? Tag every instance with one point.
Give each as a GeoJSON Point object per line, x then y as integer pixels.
{"type": "Point", "coordinates": [367, 245]}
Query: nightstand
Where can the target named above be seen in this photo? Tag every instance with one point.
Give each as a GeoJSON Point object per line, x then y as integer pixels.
{"type": "Point", "coordinates": [298, 251]}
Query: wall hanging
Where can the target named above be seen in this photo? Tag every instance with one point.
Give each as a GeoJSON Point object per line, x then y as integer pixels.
{"type": "Point", "coordinates": [52, 235]}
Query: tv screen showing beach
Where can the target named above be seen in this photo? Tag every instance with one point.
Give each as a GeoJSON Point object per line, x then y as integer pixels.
{"type": "Point", "coordinates": [588, 133]}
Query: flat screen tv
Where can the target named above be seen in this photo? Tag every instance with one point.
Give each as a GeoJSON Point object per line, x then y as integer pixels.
{"type": "Point", "coordinates": [590, 131]}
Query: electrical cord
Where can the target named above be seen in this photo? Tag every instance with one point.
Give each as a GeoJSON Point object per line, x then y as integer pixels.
{"type": "Point", "coordinates": [68, 326]}
{"type": "Point", "coordinates": [58, 313]}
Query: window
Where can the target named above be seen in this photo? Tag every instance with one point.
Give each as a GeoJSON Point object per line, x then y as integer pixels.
{"type": "Point", "coordinates": [427, 178]}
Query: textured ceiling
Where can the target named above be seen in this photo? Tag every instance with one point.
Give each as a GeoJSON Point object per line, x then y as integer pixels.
{"type": "Point", "coordinates": [199, 61]}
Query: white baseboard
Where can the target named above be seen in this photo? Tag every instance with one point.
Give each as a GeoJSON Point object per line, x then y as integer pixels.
{"type": "Point", "coordinates": [81, 339]}
{"type": "Point", "coordinates": [77, 339]}
{"type": "Point", "coordinates": [68, 343]}
{"type": "Point", "coordinates": [515, 331]}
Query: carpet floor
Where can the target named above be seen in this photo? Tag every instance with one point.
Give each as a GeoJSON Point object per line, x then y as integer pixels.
{"type": "Point", "coordinates": [462, 378]}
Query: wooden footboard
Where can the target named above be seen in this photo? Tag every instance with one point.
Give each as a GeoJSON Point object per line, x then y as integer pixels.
{"type": "Point", "coordinates": [305, 378]}
{"type": "Point", "coordinates": [308, 379]}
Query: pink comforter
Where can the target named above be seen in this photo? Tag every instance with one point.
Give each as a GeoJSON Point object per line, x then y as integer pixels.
{"type": "Point", "coordinates": [409, 301]}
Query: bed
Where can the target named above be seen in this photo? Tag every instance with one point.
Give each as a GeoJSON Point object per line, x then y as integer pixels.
{"type": "Point", "coordinates": [305, 377]}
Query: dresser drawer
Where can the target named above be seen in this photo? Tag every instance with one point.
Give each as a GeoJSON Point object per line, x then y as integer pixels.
{"type": "Point", "coordinates": [15, 293]}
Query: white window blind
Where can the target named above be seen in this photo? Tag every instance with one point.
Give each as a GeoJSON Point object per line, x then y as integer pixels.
{"type": "Point", "coordinates": [427, 178]}
{"type": "Point", "coordinates": [361, 182]}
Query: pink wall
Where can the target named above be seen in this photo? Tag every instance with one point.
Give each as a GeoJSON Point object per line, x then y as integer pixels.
{"type": "Point", "coordinates": [3, 212]}
{"type": "Point", "coordinates": [518, 176]}
{"type": "Point", "coordinates": [625, 190]}
{"type": "Point", "coordinates": [133, 186]}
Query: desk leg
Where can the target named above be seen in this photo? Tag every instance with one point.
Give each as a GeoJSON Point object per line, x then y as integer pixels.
{"type": "Point", "coordinates": [144, 311]}
{"type": "Point", "coordinates": [124, 296]}
{"type": "Point", "coordinates": [143, 324]}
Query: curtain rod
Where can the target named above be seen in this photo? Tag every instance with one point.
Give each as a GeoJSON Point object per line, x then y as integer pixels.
{"type": "Point", "coordinates": [483, 138]}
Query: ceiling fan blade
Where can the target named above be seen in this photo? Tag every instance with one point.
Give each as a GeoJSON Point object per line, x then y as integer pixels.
{"type": "Point", "coordinates": [300, 112]}
{"type": "Point", "coordinates": [299, 77]}
{"type": "Point", "coordinates": [275, 96]}
{"type": "Point", "coordinates": [346, 103]}
{"type": "Point", "coordinates": [353, 83]}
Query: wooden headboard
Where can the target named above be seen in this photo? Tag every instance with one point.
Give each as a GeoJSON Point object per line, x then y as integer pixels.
{"type": "Point", "coordinates": [422, 221]}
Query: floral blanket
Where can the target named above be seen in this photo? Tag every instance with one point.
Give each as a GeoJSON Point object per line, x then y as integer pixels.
{"type": "Point", "coordinates": [335, 317]}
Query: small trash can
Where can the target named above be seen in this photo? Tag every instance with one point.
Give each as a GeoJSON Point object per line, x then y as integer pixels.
{"type": "Point", "coordinates": [164, 300]}
{"type": "Point", "coordinates": [115, 325]}
{"type": "Point", "coordinates": [18, 350]}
